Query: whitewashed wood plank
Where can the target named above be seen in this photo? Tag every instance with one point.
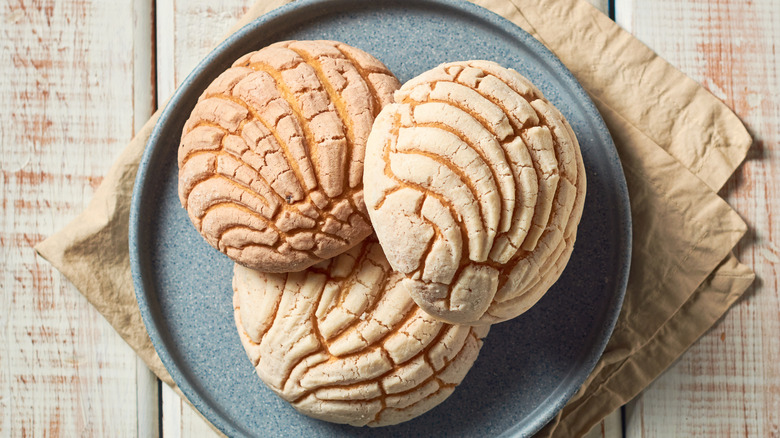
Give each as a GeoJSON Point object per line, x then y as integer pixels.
{"type": "Point", "coordinates": [624, 15]}
{"type": "Point", "coordinates": [68, 88]}
{"type": "Point", "coordinates": [193, 424]}
{"type": "Point", "coordinates": [728, 383]}
{"type": "Point", "coordinates": [601, 5]}
{"type": "Point", "coordinates": [144, 104]}
{"type": "Point", "coordinates": [171, 413]}
{"type": "Point", "coordinates": [199, 25]}
{"type": "Point", "coordinates": [144, 78]}
{"type": "Point", "coordinates": [186, 31]}
{"type": "Point", "coordinates": [164, 53]}
{"type": "Point", "coordinates": [179, 419]}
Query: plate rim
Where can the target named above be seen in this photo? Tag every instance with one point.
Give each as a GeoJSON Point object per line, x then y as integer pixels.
{"type": "Point", "coordinates": [214, 413]}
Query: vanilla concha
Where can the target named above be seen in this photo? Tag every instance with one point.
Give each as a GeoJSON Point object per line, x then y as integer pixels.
{"type": "Point", "coordinates": [475, 185]}
{"type": "Point", "coordinates": [271, 158]}
{"type": "Point", "coordinates": [344, 342]}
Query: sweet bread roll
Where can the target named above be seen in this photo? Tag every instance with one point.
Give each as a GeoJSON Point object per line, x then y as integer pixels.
{"type": "Point", "coordinates": [475, 185]}
{"type": "Point", "coordinates": [344, 342]}
{"type": "Point", "coordinates": [271, 158]}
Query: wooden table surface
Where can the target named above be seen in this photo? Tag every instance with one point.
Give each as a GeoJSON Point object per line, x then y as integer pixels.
{"type": "Point", "coordinates": [78, 78]}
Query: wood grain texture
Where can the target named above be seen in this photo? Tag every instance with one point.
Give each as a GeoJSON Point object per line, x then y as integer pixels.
{"type": "Point", "coordinates": [728, 383]}
{"type": "Point", "coordinates": [74, 83]}
{"type": "Point", "coordinates": [180, 420]}
{"type": "Point", "coordinates": [187, 30]}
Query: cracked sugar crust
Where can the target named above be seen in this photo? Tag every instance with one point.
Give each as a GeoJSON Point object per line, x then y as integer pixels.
{"type": "Point", "coordinates": [344, 342]}
{"type": "Point", "coordinates": [475, 186]}
{"type": "Point", "coordinates": [271, 158]}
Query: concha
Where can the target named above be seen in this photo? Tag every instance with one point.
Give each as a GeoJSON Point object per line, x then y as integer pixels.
{"type": "Point", "coordinates": [475, 186]}
{"type": "Point", "coordinates": [344, 342]}
{"type": "Point", "coordinates": [271, 158]}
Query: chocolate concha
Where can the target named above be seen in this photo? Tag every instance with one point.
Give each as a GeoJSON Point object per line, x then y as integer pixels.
{"type": "Point", "coordinates": [344, 342]}
{"type": "Point", "coordinates": [271, 158]}
{"type": "Point", "coordinates": [475, 186]}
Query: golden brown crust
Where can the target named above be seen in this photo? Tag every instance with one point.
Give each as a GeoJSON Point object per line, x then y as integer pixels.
{"type": "Point", "coordinates": [344, 342]}
{"type": "Point", "coordinates": [271, 158]}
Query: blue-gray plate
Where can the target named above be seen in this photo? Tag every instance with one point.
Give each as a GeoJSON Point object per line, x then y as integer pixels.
{"type": "Point", "coordinates": [528, 368]}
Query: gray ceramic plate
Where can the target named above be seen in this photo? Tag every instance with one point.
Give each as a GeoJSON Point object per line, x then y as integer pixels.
{"type": "Point", "coordinates": [528, 367]}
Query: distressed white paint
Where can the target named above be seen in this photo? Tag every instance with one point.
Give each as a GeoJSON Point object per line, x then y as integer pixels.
{"type": "Point", "coordinates": [171, 413]}
{"type": "Point", "coordinates": [728, 383]}
{"type": "Point", "coordinates": [73, 87]}
{"type": "Point", "coordinates": [610, 427]}
{"type": "Point", "coordinates": [166, 69]}
{"type": "Point", "coordinates": [147, 400]}
{"type": "Point", "coordinates": [186, 31]}
{"type": "Point", "coordinates": [624, 14]}
{"type": "Point", "coordinates": [180, 420]}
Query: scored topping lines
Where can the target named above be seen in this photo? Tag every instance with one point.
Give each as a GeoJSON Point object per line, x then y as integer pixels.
{"type": "Point", "coordinates": [290, 142]}
{"type": "Point", "coordinates": [481, 170]}
{"type": "Point", "coordinates": [353, 346]}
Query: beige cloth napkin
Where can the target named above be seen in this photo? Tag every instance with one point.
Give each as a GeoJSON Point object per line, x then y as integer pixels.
{"type": "Point", "coordinates": [678, 145]}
